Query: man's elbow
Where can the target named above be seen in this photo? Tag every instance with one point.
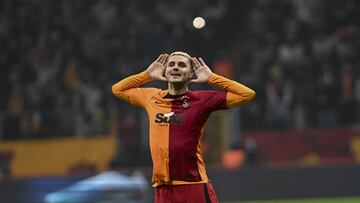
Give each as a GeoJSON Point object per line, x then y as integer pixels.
{"type": "Point", "coordinates": [252, 95]}
{"type": "Point", "coordinates": [115, 90]}
{"type": "Point", "coordinates": [249, 95]}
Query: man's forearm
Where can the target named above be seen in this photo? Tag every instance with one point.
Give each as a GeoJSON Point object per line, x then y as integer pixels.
{"type": "Point", "coordinates": [230, 85]}
{"type": "Point", "coordinates": [131, 82]}
{"type": "Point", "coordinates": [237, 93]}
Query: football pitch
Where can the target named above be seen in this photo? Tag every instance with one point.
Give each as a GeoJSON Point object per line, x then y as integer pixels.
{"type": "Point", "coordinates": [320, 200]}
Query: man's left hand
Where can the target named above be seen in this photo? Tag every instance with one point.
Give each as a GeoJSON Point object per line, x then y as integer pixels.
{"type": "Point", "coordinates": [202, 71]}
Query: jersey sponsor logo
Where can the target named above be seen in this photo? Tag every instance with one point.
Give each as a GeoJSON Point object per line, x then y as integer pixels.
{"type": "Point", "coordinates": [165, 118]}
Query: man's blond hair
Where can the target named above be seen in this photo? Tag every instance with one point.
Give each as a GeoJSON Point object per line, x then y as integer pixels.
{"type": "Point", "coordinates": [186, 55]}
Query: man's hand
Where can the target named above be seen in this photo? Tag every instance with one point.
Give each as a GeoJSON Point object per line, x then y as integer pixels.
{"type": "Point", "coordinates": [157, 68]}
{"type": "Point", "coordinates": [202, 71]}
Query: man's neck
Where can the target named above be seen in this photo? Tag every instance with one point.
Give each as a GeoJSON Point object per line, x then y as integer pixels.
{"type": "Point", "coordinates": [177, 88]}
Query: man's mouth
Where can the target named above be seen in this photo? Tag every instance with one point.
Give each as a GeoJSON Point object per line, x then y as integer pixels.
{"type": "Point", "coordinates": [175, 74]}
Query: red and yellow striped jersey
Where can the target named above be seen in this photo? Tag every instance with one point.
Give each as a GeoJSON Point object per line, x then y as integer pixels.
{"type": "Point", "coordinates": [177, 123]}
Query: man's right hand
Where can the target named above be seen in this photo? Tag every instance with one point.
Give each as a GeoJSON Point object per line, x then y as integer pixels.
{"type": "Point", "coordinates": [157, 68]}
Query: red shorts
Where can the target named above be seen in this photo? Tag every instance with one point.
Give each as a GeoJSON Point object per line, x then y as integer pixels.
{"type": "Point", "coordinates": [193, 193]}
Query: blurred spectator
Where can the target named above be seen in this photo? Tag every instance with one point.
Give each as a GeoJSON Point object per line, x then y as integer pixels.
{"type": "Point", "coordinates": [5, 160]}
{"type": "Point", "coordinates": [279, 92]}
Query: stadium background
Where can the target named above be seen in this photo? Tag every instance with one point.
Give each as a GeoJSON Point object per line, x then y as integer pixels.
{"type": "Point", "coordinates": [60, 123]}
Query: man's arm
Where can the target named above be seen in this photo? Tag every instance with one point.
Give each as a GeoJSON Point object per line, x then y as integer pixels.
{"type": "Point", "coordinates": [237, 94]}
{"type": "Point", "coordinates": [128, 88]}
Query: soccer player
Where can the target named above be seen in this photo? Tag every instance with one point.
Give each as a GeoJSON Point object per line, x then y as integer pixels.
{"type": "Point", "coordinates": [177, 117]}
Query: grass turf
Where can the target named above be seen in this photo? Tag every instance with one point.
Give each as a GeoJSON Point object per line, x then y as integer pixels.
{"type": "Point", "coordinates": [320, 200]}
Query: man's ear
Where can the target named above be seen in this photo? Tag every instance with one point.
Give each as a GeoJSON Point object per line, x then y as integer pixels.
{"type": "Point", "coordinates": [192, 73]}
{"type": "Point", "coordinates": [164, 71]}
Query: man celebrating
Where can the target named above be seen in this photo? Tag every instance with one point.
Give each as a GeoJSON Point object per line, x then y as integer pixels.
{"type": "Point", "coordinates": [177, 117]}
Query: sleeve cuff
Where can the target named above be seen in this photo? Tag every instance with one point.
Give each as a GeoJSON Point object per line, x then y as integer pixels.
{"type": "Point", "coordinates": [145, 76]}
{"type": "Point", "coordinates": [212, 78]}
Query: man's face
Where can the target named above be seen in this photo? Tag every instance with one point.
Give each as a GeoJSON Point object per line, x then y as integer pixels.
{"type": "Point", "coordinates": [178, 69]}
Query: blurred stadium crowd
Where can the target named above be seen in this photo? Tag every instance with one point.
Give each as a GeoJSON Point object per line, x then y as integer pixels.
{"type": "Point", "coordinates": [59, 59]}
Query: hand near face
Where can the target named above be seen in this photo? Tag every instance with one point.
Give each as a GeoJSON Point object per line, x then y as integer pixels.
{"type": "Point", "coordinates": [157, 68]}
{"type": "Point", "coordinates": [201, 70]}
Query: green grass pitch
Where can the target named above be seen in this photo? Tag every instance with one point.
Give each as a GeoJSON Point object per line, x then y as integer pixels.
{"type": "Point", "coordinates": [320, 200]}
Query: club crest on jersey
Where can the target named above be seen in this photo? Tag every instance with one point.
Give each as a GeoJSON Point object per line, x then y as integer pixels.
{"type": "Point", "coordinates": [185, 103]}
{"type": "Point", "coordinates": [166, 118]}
